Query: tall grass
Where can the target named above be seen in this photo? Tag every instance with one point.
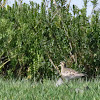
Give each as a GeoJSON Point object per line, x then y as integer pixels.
{"type": "Point", "coordinates": [26, 90]}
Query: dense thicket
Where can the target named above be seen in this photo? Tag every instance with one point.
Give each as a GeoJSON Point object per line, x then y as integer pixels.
{"type": "Point", "coordinates": [29, 33]}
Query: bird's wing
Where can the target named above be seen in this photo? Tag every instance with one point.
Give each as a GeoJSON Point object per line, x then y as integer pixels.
{"type": "Point", "coordinates": [69, 72]}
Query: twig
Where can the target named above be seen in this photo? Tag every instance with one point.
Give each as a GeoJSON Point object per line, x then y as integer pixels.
{"type": "Point", "coordinates": [54, 65]}
{"type": "Point", "coordinates": [4, 63]}
{"type": "Point", "coordinates": [4, 3]}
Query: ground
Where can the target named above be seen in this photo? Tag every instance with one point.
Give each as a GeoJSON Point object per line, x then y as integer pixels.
{"type": "Point", "coordinates": [27, 90]}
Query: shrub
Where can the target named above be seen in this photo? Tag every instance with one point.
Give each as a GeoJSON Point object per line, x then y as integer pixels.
{"type": "Point", "coordinates": [31, 32]}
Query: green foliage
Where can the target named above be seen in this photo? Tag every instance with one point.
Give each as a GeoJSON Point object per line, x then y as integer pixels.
{"type": "Point", "coordinates": [26, 90]}
{"type": "Point", "coordinates": [31, 32]}
{"type": "Point", "coordinates": [94, 2]}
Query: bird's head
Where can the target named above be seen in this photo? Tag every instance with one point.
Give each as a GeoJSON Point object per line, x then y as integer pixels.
{"type": "Point", "coordinates": [62, 64]}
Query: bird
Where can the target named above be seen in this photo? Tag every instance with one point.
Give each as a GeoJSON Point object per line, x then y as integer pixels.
{"type": "Point", "coordinates": [68, 73]}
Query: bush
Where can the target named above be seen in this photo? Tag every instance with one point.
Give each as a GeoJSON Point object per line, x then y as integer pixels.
{"type": "Point", "coordinates": [32, 32]}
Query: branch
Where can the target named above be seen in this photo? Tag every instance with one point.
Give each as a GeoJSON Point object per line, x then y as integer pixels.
{"type": "Point", "coordinates": [4, 3]}
{"type": "Point", "coordinates": [4, 63]}
{"type": "Point", "coordinates": [54, 65]}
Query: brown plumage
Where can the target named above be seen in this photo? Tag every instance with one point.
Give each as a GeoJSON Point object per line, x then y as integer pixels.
{"type": "Point", "coordinates": [69, 73]}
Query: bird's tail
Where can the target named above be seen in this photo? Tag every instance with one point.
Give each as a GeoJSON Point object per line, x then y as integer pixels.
{"type": "Point", "coordinates": [81, 74]}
